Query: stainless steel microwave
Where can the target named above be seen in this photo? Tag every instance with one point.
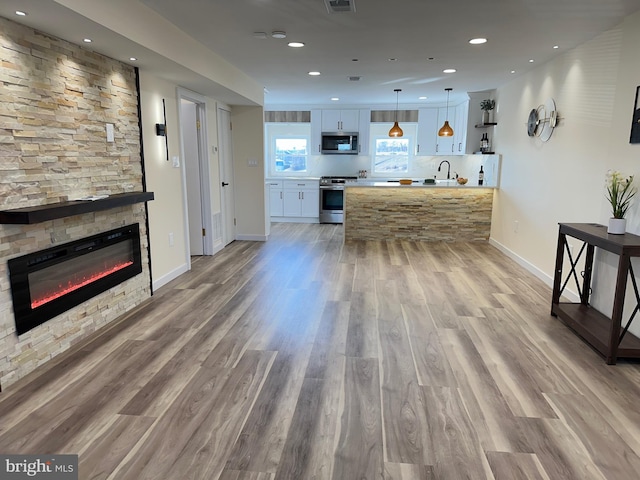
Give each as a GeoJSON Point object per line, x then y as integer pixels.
{"type": "Point", "coordinates": [340, 143]}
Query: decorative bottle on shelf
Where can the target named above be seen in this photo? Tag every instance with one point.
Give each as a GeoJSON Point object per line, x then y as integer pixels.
{"type": "Point", "coordinates": [481, 176]}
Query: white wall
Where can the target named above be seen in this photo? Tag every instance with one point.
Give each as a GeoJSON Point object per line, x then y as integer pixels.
{"type": "Point", "coordinates": [166, 211]}
{"type": "Point", "coordinates": [248, 146]}
{"type": "Point", "coordinates": [562, 180]}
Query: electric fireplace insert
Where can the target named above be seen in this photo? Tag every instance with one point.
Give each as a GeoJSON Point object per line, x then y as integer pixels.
{"type": "Point", "coordinates": [49, 282]}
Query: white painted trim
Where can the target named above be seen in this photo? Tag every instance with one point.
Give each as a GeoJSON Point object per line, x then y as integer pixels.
{"type": "Point", "coordinates": [547, 279]}
{"type": "Point", "coordinates": [175, 273]}
{"type": "Point", "coordinates": [253, 238]}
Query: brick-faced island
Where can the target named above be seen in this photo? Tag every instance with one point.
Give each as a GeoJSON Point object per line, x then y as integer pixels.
{"type": "Point", "coordinates": [418, 212]}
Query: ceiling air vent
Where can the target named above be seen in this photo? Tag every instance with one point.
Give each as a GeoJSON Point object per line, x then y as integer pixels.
{"type": "Point", "coordinates": [340, 6]}
{"type": "Point", "coordinates": [354, 79]}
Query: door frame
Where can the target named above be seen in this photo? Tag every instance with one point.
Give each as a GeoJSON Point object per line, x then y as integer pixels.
{"type": "Point", "coordinates": [203, 159]}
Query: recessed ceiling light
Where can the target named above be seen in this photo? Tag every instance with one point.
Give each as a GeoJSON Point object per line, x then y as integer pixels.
{"type": "Point", "coordinates": [133, 59]}
{"type": "Point", "coordinates": [260, 35]}
{"type": "Point", "coordinates": [296, 44]}
{"type": "Point", "coordinates": [279, 34]}
{"type": "Point", "coordinates": [87, 40]}
{"type": "Point", "coordinates": [556, 46]}
{"type": "Point", "coordinates": [354, 59]}
{"type": "Point", "coordinates": [422, 98]}
{"type": "Point", "coordinates": [531, 60]}
{"type": "Point", "coordinates": [513, 71]}
{"type": "Point", "coordinates": [20, 13]}
{"type": "Point", "coordinates": [334, 99]}
{"type": "Point", "coordinates": [477, 41]}
{"type": "Point", "coordinates": [392, 59]}
{"type": "Point", "coordinates": [449, 70]}
{"type": "Point", "coordinates": [314, 73]}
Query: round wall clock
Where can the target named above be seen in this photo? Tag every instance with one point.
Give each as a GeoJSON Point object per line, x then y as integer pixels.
{"type": "Point", "coordinates": [549, 121]}
{"type": "Point", "coordinates": [532, 122]}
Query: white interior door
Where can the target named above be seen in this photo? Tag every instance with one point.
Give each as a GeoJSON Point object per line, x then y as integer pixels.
{"type": "Point", "coordinates": [226, 176]}
{"type": "Point", "coordinates": [189, 126]}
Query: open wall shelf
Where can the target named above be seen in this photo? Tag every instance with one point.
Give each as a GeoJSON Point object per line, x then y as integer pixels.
{"type": "Point", "coordinates": [44, 213]}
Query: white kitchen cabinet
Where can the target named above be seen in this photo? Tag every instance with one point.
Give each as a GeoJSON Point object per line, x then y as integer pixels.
{"type": "Point", "coordinates": [276, 198]}
{"type": "Point", "coordinates": [330, 121]}
{"type": "Point", "coordinates": [427, 131]}
{"type": "Point", "coordinates": [340, 120]}
{"type": "Point", "coordinates": [301, 198]}
{"type": "Point", "coordinates": [444, 145]}
{"type": "Point", "coordinates": [364, 134]}
{"type": "Point", "coordinates": [316, 132]}
{"type": "Point", "coordinates": [460, 130]}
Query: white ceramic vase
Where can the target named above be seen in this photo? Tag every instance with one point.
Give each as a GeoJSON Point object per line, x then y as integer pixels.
{"type": "Point", "coordinates": [617, 226]}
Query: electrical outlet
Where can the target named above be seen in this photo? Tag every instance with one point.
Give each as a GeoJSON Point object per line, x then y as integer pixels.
{"type": "Point", "coordinates": [171, 239]}
{"type": "Point", "coordinates": [516, 226]}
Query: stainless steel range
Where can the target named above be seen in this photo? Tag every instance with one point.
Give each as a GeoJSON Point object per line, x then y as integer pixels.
{"type": "Point", "coordinates": [332, 198]}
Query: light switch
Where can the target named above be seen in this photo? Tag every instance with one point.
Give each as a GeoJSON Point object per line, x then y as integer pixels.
{"type": "Point", "coordinates": [253, 162]}
{"type": "Point", "coordinates": [176, 162]}
{"type": "Point", "coordinates": [110, 133]}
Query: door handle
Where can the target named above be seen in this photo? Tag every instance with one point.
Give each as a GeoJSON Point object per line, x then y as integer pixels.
{"type": "Point", "coordinates": [224, 184]}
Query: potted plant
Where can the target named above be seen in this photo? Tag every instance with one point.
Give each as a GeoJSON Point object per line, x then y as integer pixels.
{"type": "Point", "coordinates": [487, 105]}
{"type": "Point", "coordinates": [620, 191]}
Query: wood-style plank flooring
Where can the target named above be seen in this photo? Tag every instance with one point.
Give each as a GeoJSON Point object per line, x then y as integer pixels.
{"type": "Point", "coordinates": [308, 358]}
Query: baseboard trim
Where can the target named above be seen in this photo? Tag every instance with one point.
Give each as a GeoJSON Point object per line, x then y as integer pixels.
{"type": "Point", "coordinates": [547, 279]}
{"type": "Point", "coordinates": [175, 273]}
{"type": "Point", "coordinates": [253, 238]}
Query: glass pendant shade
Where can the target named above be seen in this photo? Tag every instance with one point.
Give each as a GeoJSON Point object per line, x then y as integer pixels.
{"type": "Point", "coordinates": [446, 130]}
{"type": "Point", "coordinates": [396, 131]}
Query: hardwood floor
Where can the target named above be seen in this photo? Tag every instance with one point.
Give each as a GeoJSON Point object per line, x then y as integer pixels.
{"type": "Point", "coordinates": [307, 358]}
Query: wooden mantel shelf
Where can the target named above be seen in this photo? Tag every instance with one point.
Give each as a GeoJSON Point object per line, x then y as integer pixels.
{"type": "Point", "coordinates": [44, 213]}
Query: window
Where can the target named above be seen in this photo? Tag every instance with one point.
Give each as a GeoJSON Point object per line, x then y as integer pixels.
{"type": "Point", "coordinates": [287, 148]}
{"type": "Point", "coordinates": [291, 154]}
{"type": "Point", "coordinates": [392, 156]}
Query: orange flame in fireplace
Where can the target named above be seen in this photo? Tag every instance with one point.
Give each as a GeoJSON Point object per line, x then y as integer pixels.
{"type": "Point", "coordinates": [71, 286]}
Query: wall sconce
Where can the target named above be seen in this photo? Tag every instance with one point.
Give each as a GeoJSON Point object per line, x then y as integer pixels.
{"type": "Point", "coordinates": [161, 129]}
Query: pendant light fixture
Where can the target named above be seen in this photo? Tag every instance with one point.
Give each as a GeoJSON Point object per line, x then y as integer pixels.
{"type": "Point", "coordinates": [396, 131]}
{"type": "Point", "coordinates": [446, 130]}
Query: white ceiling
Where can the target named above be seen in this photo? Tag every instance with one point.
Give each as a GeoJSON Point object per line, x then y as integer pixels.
{"type": "Point", "coordinates": [424, 36]}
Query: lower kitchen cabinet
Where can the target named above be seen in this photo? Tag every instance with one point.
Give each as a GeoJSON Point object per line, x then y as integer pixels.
{"type": "Point", "coordinates": [301, 198]}
{"type": "Point", "coordinates": [276, 198]}
{"type": "Point", "coordinates": [291, 199]}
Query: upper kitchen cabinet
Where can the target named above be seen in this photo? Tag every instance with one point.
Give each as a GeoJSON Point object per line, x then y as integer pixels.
{"type": "Point", "coordinates": [427, 131]}
{"type": "Point", "coordinates": [340, 120]}
{"type": "Point", "coordinates": [461, 118]}
{"type": "Point", "coordinates": [351, 121]}
{"type": "Point", "coordinates": [364, 133]}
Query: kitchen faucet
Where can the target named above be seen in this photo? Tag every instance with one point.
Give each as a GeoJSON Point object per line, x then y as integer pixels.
{"type": "Point", "coordinates": [448, 168]}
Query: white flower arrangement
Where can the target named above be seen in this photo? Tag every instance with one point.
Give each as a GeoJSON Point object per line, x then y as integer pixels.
{"type": "Point", "coordinates": [620, 191]}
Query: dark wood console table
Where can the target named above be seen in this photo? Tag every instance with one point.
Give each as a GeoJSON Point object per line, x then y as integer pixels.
{"type": "Point", "coordinates": [605, 334]}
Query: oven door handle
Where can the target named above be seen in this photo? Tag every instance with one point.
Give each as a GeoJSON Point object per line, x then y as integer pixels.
{"type": "Point", "coordinates": [331, 188]}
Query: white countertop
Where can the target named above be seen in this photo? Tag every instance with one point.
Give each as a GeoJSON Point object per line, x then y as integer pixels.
{"type": "Point", "coordinates": [419, 184]}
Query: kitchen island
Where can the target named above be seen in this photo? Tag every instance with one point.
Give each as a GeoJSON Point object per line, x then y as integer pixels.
{"type": "Point", "coordinates": [441, 212]}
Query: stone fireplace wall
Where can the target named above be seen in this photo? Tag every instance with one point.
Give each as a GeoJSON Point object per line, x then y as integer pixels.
{"type": "Point", "coordinates": [55, 101]}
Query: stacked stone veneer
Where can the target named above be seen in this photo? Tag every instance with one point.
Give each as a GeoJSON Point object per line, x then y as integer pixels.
{"type": "Point", "coordinates": [55, 99]}
{"type": "Point", "coordinates": [416, 213]}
